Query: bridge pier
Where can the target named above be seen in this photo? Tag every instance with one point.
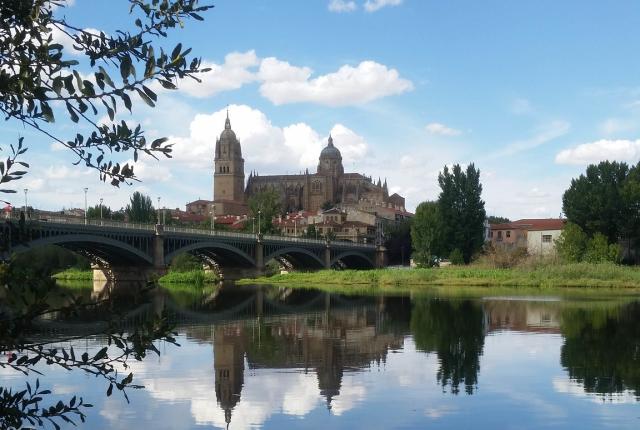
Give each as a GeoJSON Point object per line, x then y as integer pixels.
{"type": "Point", "coordinates": [126, 274]}
{"type": "Point", "coordinates": [327, 256]}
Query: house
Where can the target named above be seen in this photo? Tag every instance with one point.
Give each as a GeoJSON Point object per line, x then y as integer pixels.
{"type": "Point", "coordinates": [537, 236]}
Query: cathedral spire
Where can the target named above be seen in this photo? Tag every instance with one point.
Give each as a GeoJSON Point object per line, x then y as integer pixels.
{"type": "Point", "coordinates": [227, 122]}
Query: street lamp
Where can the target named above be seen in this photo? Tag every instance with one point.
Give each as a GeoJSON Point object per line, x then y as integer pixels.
{"type": "Point", "coordinates": [259, 214]}
{"type": "Point", "coordinates": [85, 205]}
{"type": "Point", "coordinates": [213, 217]}
{"type": "Point", "coordinates": [26, 190]}
{"type": "Point", "coordinates": [158, 210]}
{"type": "Point", "coordinates": [101, 200]}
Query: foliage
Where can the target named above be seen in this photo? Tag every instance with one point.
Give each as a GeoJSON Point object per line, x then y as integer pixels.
{"type": "Point", "coordinates": [461, 210]}
{"type": "Point", "coordinates": [454, 331]}
{"type": "Point", "coordinates": [600, 349]}
{"type": "Point", "coordinates": [398, 241]}
{"type": "Point", "coordinates": [492, 219]}
{"type": "Point", "coordinates": [578, 275]}
{"type": "Point", "coordinates": [595, 201]}
{"type": "Point", "coordinates": [40, 82]}
{"type": "Point", "coordinates": [74, 275]}
{"type": "Point", "coordinates": [574, 246]}
{"type": "Point", "coordinates": [197, 277]}
{"type": "Point", "coordinates": [599, 250]}
{"type": "Point", "coordinates": [502, 257]}
{"type": "Point", "coordinates": [572, 243]}
{"type": "Point", "coordinates": [28, 299]}
{"type": "Point", "coordinates": [456, 257]}
{"type": "Point", "coordinates": [7, 173]}
{"type": "Point", "coordinates": [99, 212]}
{"type": "Point", "coordinates": [327, 205]}
{"type": "Point", "coordinates": [264, 206]}
{"type": "Point", "coordinates": [185, 262]}
{"type": "Point", "coordinates": [140, 209]}
{"type": "Point", "coordinates": [425, 234]}
{"type": "Point", "coordinates": [311, 232]}
{"type": "Point", "coordinates": [43, 261]}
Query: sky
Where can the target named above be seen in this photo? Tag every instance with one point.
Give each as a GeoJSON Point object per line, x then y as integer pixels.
{"type": "Point", "coordinates": [531, 92]}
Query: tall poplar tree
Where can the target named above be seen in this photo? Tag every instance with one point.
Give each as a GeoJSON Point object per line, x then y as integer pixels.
{"type": "Point", "coordinates": [461, 210]}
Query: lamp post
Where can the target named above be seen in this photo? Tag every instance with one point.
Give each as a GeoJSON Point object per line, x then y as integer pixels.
{"type": "Point", "coordinates": [85, 205]}
{"type": "Point", "coordinates": [158, 210]}
{"type": "Point", "coordinates": [213, 217]}
{"type": "Point", "coordinates": [295, 227]}
{"type": "Point", "coordinates": [259, 221]}
{"type": "Point", "coordinates": [26, 190]}
{"type": "Point", "coordinates": [101, 200]}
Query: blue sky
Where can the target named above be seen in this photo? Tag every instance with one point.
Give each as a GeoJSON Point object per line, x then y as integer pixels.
{"type": "Point", "coordinates": [531, 92]}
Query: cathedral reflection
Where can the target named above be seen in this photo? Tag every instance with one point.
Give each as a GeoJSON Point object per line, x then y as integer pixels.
{"type": "Point", "coordinates": [338, 339]}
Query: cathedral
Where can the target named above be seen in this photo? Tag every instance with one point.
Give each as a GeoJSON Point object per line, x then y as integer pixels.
{"type": "Point", "coordinates": [329, 186]}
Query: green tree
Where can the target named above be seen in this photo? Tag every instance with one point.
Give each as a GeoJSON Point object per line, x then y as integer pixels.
{"type": "Point", "coordinates": [311, 232]}
{"type": "Point", "coordinates": [456, 257]}
{"type": "Point", "coordinates": [461, 210]}
{"type": "Point", "coordinates": [40, 81]}
{"type": "Point", "coordinates": [267, 203]}
{"type": "Point", "coordinates": [572, 243]}
{"type": "Point", "coordinates": [398, 241]}
{"type": "Point", "coordinates": [599, 250]}
{"type": "Point", "coordinates": [631, 197]}
{"type": "Point", "coordinates": [492, 219]}
{"type": "Point", "coordinates": [140, 208]}
{"type": "Point", "coordinates": [93, 212]}
{"type": "Point", "coordinates": [595, 202]}
{"type": "Point", "coordinates": [425, 233]}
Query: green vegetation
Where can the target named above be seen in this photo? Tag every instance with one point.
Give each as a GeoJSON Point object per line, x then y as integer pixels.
{"type": "Point", "coordinates": [605, 200]}
{"type": "Point", "coordinates": [605, 275]}
{"type": "Point", "coordinates": [454, 225]}
{"type": "Point", "coordinates": [74, 275]}
{"type": "Point", "coordinates": [263, 207]}
{"type": "Point", "coordinates": [575, 246]}
{"type": "Point", "coordinates": [191, 277]}
{"type": "Point", "coordinates": [140, 208]}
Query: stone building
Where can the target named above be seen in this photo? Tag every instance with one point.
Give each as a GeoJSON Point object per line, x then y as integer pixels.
{"type": "Point", "coordinates": [329, 186]}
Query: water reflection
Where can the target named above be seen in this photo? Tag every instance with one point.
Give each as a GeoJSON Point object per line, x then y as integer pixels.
{"type": "Point", "coordinates": [350, 355]}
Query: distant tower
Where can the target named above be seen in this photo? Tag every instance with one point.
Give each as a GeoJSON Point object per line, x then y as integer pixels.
{"type": "Point", "coordinates": [228, 176]}
{"type": "Point", "coordinates": [330, 166]}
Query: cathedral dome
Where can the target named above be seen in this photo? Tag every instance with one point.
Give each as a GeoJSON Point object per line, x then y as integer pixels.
{"type": "Point", "coordinates": [227, 133]}
{"type": "Point", "coordinates": [330, 151]}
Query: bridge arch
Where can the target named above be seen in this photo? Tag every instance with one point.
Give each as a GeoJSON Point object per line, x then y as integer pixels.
{"type": "Point", "coordinates": [110, 250]}
{"type": "Point", "coordinates": [301, 257]}
{"type": "Point", "coordinates": [231, 254]}
{"type": "Point", "coordinates": [354, 260]}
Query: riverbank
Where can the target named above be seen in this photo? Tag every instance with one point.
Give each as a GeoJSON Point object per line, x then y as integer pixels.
{"type": "Point", "coordinates": [187, 277]}
{"type": "Point", "coordinates": [579, 275]}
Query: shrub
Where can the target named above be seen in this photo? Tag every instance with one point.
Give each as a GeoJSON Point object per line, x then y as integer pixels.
{"type": "Point", "coordinates": [456, 257]}
{"type": "Point", "coordinates": [598, 250]}
{"type": "Point", "coordinates": [185, 263]}
{"type": "Point", "coordinates": [572, 243]}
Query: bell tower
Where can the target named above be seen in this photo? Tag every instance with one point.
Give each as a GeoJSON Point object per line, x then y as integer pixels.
{"type": "Point", "coordinates": [228, 176]}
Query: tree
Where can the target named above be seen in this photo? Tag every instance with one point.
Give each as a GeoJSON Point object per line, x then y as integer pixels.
{"type": "Point", "coordinates": [572, 243]}
{"type": "Point", "coordinates": [267, 205]}
{"type": "Point", "coordinates": [425, 233]}
{"type": "Point", "coordinates": [98, 212]}
{"type": "Point", "coordinates": [140, 208]}
{"type": "Point", "coordinates": [492, 219]}
{"type": "Point", "coordinates": [311, 232]}
{"type": "Point", "coordinates": [398, 241]}
{"type": "Point", "coordinates": [461, 211]}
{"type": "Point", "coordinates": [599, 250]}
{"type": "Point", "coordinates": [595, 202]}
{"type": "Point", "coordinates": [40, 82]}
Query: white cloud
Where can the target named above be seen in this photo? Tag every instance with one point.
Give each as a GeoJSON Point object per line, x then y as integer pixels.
{"type": "Point", "coordinates": [587, 153]}
{"type": "Point", "coordinates": [374, 5]}
{"type": "Point", "coordinates": [266, 147]}
{"type": "Point", "coordinates": [342, 6]}
{"type": "Point", "coordinates": [230, 75]}
{"type": "Point", "coordinates": [442, 130]}
{"type": "Point", "coordinates": [544, 134]}
{"type": "Point", "coordinates": [59, 36]}
{"type": "Point", "coordinates": [347, 86]}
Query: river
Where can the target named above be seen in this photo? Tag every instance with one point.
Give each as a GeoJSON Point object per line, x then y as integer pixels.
{"type": "Point", "coordinates": [274, 358]}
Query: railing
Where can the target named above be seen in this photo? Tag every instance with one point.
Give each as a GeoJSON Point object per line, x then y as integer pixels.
{"type": "Point", "coordinates": [79, 221]}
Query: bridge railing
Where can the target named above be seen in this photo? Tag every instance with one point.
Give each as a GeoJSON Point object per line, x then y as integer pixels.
{"type": "Point", "coordinates": [189, 230]}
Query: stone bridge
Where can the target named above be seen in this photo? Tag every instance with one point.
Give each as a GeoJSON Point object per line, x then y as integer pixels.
{"type": "Point", "coordinates": [127, 251]}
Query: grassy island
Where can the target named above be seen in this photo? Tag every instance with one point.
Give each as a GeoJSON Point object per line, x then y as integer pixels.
{"type": "Point", "coordinates": [173, 277]}
{"type": "Point", "coordinates": [74, 275]}
{"type": "Point", "coordinates": [576, 275]}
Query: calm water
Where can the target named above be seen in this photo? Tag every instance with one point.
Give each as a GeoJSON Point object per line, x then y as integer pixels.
{"type": "Point", "coordinates": [279, 358]}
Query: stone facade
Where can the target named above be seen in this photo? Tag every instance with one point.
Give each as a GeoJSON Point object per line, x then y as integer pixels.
{"type": "Point", "coordinates": [329, 186]}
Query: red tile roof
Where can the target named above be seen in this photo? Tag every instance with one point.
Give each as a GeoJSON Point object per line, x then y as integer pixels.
{"type": "Point", "coordinates": [543, 224]}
